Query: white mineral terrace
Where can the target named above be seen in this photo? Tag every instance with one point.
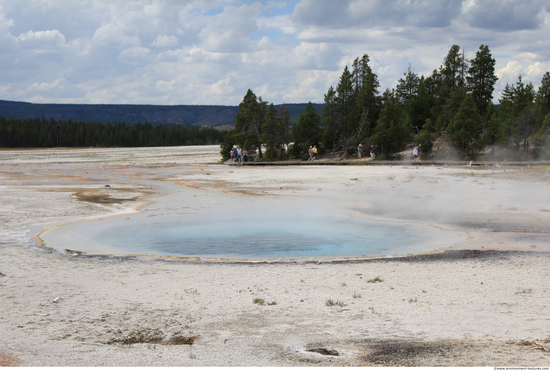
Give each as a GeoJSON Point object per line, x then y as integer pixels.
{"type": "Point", "coordinates": [479, 297]}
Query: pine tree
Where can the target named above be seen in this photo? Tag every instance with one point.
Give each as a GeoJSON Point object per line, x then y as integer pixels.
{"type": "Point", "coordinates": [392, 131]}
{"type": "Point", "coordinates": [329, 120]}
{"type": "Point", "coordinates": [516, 114]}
{"type": "Point", "coordinates": [345, 104]}
{"type": "Point", "coordinates": [272, 132]}
{"type": "Point", "coordinates": [249, 121]}
{"type": "Point", "coordinates": [466, 128]}
{"type": "Point", "coordinates": [481, 78]}
{"type": "Point", "coordinates": [306, 132]}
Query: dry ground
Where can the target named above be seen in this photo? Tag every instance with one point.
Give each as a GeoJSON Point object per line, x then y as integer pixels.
{"type": "Point", "coordinates": [483, 303]}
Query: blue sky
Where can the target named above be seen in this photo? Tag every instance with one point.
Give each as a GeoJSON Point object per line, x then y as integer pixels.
{"type": "Point", "coordinates": [211, 52]}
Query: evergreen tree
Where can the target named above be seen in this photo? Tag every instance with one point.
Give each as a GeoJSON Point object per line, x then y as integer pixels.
{"type": "Point", "coordinates": [481, 78]}
{"type": "Point", "coordinates": [392, 131]}
{"type": "Point", "coordinates": [421, 104]}
{"type": "Point", "coordinates": [249, 121]}
{"type": "Point", "coordinates": [345, 104]}
{"type": "Point", "coordinates": [286, 126]}
{"type": "Point", "coordinates": [516, 114]}
{"type": "Point", "coordinates": [541, 139]}
{"type": "Point", "coordinates": [453, 70]}
{"type": "Point", "coordinates": [426, 137]}
{"type": "Point", "coordinates": [329, 120]}
{"type": "Point", "coordinates": [490, 135]}
{"type": "Point", "coordinates": [542, 99]}
{"type": "Point", "coordinates": [272, 132]}
{"type": "Point", "coordinates": [367, 95]}
{"type": "Point", "coordinates": [466, 129]}
{"type": "Point", "coordinates": [407, 87]}
{"type": "Point", "coordinates": [306, 132]}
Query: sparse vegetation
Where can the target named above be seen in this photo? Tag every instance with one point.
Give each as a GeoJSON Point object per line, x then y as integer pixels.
{"type": "Point", "coordinates": [261, 301]}
{"type": "Point", "coordinates": [357, 296]}
{"type": "Point", "coordinates": [376, 279]}
{"type": "Point", "coordinates": [332, 303]}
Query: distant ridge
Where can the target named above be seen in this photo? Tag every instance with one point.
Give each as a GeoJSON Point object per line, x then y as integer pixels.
{"type": "Point", "coordinates": [195, 115]}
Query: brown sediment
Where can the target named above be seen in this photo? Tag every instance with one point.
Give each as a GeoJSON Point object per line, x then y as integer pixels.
{"type": "Point", "coordinates": [99, 197]}
{"type": "Point", "coordinates": [8, 360]}
{"type": "Point", "coordinates": [224, 187]}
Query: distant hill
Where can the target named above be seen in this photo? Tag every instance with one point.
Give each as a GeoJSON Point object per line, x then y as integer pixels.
{"type": "Point", "coordinates": [131, 114]}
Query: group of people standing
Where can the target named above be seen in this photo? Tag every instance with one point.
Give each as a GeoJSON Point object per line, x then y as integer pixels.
{"type": "Point", "coordinates": [239, 155]}
{"type": "Point", "coordinates": [312, 151]}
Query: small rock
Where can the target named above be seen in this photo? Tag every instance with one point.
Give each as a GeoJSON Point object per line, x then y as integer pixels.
{"type": "Point", "coordinates": [56, 299]}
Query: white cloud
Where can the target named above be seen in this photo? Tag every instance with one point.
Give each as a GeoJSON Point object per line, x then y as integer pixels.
{"type": "Point", "coordinates": [213, 51]}
{"type": "Point", "coordinates": [44, 86]}
{"type": "Point", "coordinates": [230, 30]}
{"type": "Point", "coordinates": [135, 55]}
{"type": "Point", "coordinates": [165, 41]}
{"type": "Point", "coordinates": [5, 23]}
{"type": "Point", "coordinates": [506, 16]}
{"type": "Point", "coordinates": [510, 72]}
{"type": "Point", "coordinates": [42, 41]}
{"type": "Point", "coordinates": [112, 36]}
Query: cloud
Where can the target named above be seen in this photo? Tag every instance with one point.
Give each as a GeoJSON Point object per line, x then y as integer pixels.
{"type": "Point", "coordinates": [213, 51]}
{"type": "Point", "coordinates": [42, 41]}
{"type": "Point", "coordinates": [506, 15]}
{"type": "Point", "coordinates": [230, 31]}
{"type": "Point", "coordinates": [165, 41]}
{"type": "Point", "coordinates": [381, 13]}
{"type": "Point", "coordinates": [134, 55]}
{"type": "Point", "coordinates": [5, 23]}
{"type": "Point", "coordinates": [112, 36]}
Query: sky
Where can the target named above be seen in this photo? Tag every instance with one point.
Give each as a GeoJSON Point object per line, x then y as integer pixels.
{"type": "Point", "coordinates": [210, 52]}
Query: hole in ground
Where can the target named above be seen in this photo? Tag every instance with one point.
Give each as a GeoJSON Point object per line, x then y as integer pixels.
{"type": "Point", "coordinates": [324, 351]}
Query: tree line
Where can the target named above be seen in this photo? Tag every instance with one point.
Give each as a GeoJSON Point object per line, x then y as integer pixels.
{"type": "Point", "coordinates": [40, 133]}
{"type": "Point", "coordinates": [453, 103]}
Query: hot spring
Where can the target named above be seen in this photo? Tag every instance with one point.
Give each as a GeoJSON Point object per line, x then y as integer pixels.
{"type": "Point", "coordinates": [188, 222]}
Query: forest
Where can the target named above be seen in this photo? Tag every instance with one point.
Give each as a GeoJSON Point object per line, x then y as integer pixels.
{"type": "Point", "coordinates": [40, 133]}
{"type": "Point", "coordinates": [453, 105]}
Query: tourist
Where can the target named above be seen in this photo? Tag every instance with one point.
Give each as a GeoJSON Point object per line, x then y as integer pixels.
{"type": "Point", "coordinates": [359, 150]}
{"type": "Point", "coordinates": [314, 151]}
{"type": "Point", "coordinates": [245, 155]}
{"type": "Point", "coordinates": [231, 154]}
{"type": "Point", "coordinates": [310, 152]}
{"type": "Point", "coordinates": [236, 154]}
{"type": "Point", "coordinates": [417, 153]}
{"type": "Point", "coordinates": [372, 154]}
{"type": "Point", "coordinates": [239, 154]}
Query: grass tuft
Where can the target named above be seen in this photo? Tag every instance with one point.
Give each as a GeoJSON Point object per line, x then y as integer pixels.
{"type": "Point", "coordinates": [259, 301]}
{"type": "Point", "coordinates": [332, 303]}
{"type": "Point", "coordinates": [376, 279]}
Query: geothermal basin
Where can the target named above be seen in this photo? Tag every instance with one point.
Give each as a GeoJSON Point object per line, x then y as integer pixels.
{"type": "Point", "coordinates": [187, 222]}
